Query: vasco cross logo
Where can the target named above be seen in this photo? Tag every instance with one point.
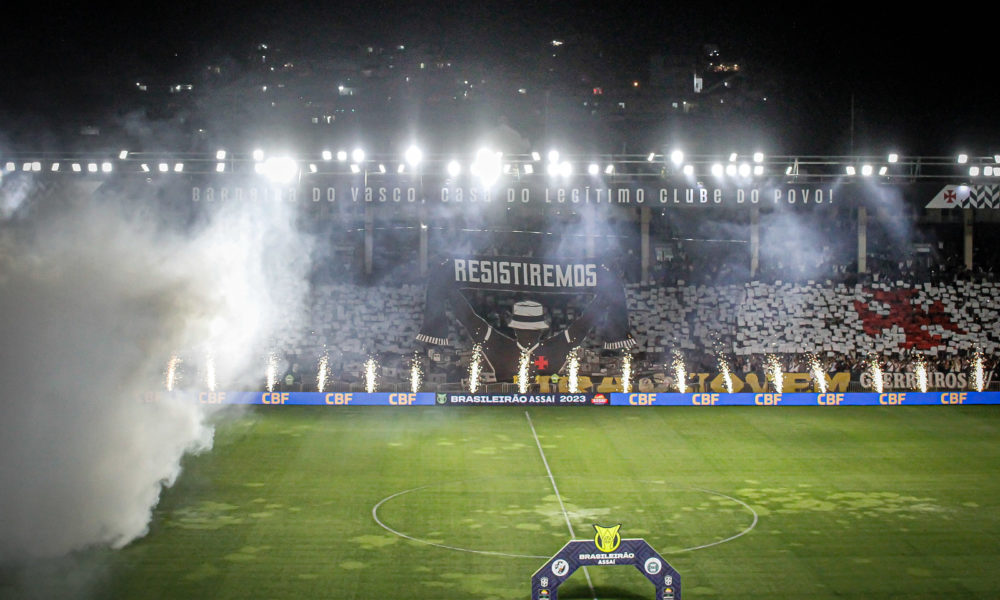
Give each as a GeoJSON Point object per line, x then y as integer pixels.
{"type": "Point", "coordinates": [607, 539]}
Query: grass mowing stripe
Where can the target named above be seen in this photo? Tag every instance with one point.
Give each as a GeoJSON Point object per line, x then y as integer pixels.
{"type": "Point", "coordinates": [558, 497]}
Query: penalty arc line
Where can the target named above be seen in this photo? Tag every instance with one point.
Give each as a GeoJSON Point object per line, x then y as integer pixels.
{"type": "Point", "coordinates": [562, 506]}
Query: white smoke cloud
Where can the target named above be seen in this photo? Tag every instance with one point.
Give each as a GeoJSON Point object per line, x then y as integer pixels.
{"type": "Point", "coordinates": [92, 305]}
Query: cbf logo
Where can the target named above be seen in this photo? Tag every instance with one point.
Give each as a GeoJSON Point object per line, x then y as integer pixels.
{"type": "Point", "coordinates": [607, 539]}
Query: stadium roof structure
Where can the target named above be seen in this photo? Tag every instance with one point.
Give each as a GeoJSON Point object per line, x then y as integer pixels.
{"type": "Point", "coordinates": [491, 166]}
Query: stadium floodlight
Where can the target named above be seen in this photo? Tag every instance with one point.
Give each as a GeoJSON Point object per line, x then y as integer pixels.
{"type": "Point", "coordinates": [258, 155]}
{"type": "Point", "coordinates": [893, 158]}
{"type": "Point", "coordinates": [358, 155]}
{"type": "Point", "coordinates": [744, 170]}
{"type": "Point", "coordinates": [717, 170]}
{"type": "Point", "coordinates": [454, 168]}
{"type": "Point", "coordinates": [552, 169]}
{"type": "Point", "coordinates": [536, 156]}
{"type": "Point", "coordinates": [677, 157]}
{"type": "Point", "coordinates": [609, 170]}
{"type": "Point", "coordinates": [565, 168]}
{"type": "Point", "coordinates": [55, 167]}
{"type": "Point", "coordinates": [733, 156]}
{"type": "Point", "coordinates": [974, 171]}
{"type": "Point", "coordinates": [758, 157]}
{"type": "Point", "coordinates": [963, 158]}
{"type": "Point", "coordinates": [341, 155]}
{"type": "Point", "coordinates": [26, 167]}
{"type": "Point", "coordinates": [996, 158]}
{"type": "Point", "coordinates": [280, 169]}
{"type": "Point", "coordinates": [731, 170]}
{"type": "Point", "coordinates": [381, 168]}
{"type": "Point", "coordinates": [529, 169]}
{"type": "Point", "coordinates": [593, 169]}
{"type": "Point", "coordinates": [105, 167]}
{"type": "Point", "coordinates": [850, 170]}
{"type": "Point", "coordinates": [987, 170]}
{"type": "Point", "coordinates": [220, 167]}
{"type": "Point", "coordinates": [651, 157]}
{"type": "Point", "coordinates": [220, 155]}
{"type": "Point", "coordinates": [413, 156]}
{"type": "Point", "coordinates": [312, 168]}
{"type": "Point", "coordinates": [327, 155]}
{"type": "Point", "coordinates": [10, 167]}
{"type": "Point", "coordinates": [91, 167]}
{"type": "Point", "coordinates": [883, 170]}
{"type": "Point", "coordinates": [866, 170]}
{"type": "Point", "coordinates": [144, 167]}
{"type": "Point", "coordinates": [758, 170]}
{"type": "Point", "coordinates": [355, 168]}
{"type": "Point", "coordinates": [179, 168]}
{"type": "Point", "coordinates": [688, 170]}
{"type": "Point", "coordinates": [76, 167]}
{"type": "Point", "coordinates": [401, 168]}
{"type": "Point", "coordinates": [36, 166]}
{"type": "Point", "coordinates": [123, 155]}
{"type": "Point", "coordinates": [258, 168]}
{"type": "Point", "coordinates": [553, 156]}
{"type": "Point", "coordinates": [487, 166]}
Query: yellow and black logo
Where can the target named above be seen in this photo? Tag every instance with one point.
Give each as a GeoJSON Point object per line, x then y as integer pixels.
{"type": "Point", "coordinates": [607, 539]}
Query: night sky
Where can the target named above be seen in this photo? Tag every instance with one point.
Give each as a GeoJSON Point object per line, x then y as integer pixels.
{"type": "Point", "coordinates": [920, 79]}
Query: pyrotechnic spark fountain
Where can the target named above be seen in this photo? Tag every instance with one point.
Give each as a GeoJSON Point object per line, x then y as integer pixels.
{"type": "Point", "coordinates": [775, 373]}
{"type": "Point", "coordinates": [173, 375]}
{"type": "Point", "coordinates": [920, 368]}
{"type": "Point", "coordinates": [322, 372]}
{"type": "Point", "coordinates": [680, 372]}
{"type": "Point", "coordinates": [475, 368]}
{"type": "Point", "coordinates": [818, 373]}
{"type": "Point", "coordinates": [210, 372]}
{"type": "Point", "coordinates": [523, 372]}
{"type": "Point", "coordinates": [573, 371]}
{"type": "Point", "coordinates": [371, 375]}
{"type": "Point", "coordinates": [272, 371]}
{"type": "Point", "coordinates": [416, 375]}
{"type": "Point", "coordinates": [727, 376]}
{"type": "Point", "coordinates": [626, 373]}
{"type": "Point", "coordinates": [875, 373]}
{"type": "Point", "coordinates": [978, 377]}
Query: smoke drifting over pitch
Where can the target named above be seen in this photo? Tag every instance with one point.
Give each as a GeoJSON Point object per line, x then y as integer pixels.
{"type": "Point", "coordinates": [94, 299]}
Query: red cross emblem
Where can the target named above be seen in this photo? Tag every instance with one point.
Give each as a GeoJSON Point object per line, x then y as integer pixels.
{"type": "Point", "coordinates": [949, 196]}
{"type": "Point", "coordinates": [541, 362]}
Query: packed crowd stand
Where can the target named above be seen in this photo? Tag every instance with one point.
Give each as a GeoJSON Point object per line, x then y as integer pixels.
{"type": "Point", "coordinates": [844, 323]}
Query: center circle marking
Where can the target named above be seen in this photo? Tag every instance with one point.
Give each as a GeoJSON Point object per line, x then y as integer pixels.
{"type": "Point", "coordinates": [403, 535]}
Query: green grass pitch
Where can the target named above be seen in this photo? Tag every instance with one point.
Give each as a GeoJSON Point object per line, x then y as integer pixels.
{"type": "Point", "coordinates": [744, 502]}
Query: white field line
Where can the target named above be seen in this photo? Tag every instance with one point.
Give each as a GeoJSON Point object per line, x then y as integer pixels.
{"type": "Point", "coordinates": [562, 506]}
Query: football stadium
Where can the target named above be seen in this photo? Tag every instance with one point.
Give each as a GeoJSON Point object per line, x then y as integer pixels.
{"type": "Point", "coordinates": [499, 376]}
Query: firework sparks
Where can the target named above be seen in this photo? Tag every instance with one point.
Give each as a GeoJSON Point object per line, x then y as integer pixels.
{"type": "Point", "coordinates": [920, 369]}
{"type": "Point", "coordinates": [523, 372]}
{"type": "Point", "coordinates": [875, 373]}
{"type": "Point", "coordinates": [272, 371]}
{"type": "Point", "coordinates": [775, 373]}
{"type": "Point", "coordinates": [210, 382]}
{"type": "Point", "coordinates": [475, 368]}
{"type": "Point", "coordinates": [818, 373]}
{"type": "Point", "coordinates": [573, 371]}
{"type": "Point", "coordinates": [322, 372]}
{"type": "Point", "coordinates": [626, 373]}
{"type": "Point", "coordinates": [680, 372]}
{"type": "Point", "coordinates": [416, 375]}
{"type": "Point", "coordinates": [978, 369]}
{"type": "Point", "coordinates": [727, 377]}
{"type": "Point", "coordinates": [173, 372]}
{"type": "Point", "coordinates": [371, 375]}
